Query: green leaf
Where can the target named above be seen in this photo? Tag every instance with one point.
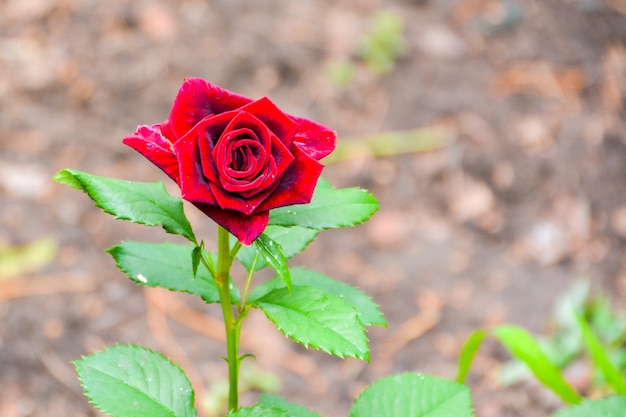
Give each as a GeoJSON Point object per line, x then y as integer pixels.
{"type": "Point", "coordinates": [601, 360]}
{"type": "Point", "coordinates": [165, 265]}
{"type": "Point", "coordinates": [292, 240]}
{"type": "Point", "coordinates": [311, 317]}
{"type": "Point", "coordinates": [294, 410]}
{"type": "Point", "coordinates": [329, 208]}
{"type": "Point", "coordinates": [273, 255]}
{"type": "Point", "coordinates": [608, 407]}
{"type": "Point", "coordinates": [413, 395]}
{"type": "Point", "coordinates": [467, 354]}
{"type": "Point", "coordinates": [196, 256]}
{"type": "Point", "coordinates": [368, 311]}
{"type": "Point", "coordinates": [524, 347]}
{"type": "Point", "coordinates": [260, 410]}
{"type": "Point", "coordinates": [139, 202]}
{"type": "Point", "coordinates": [133, 381]}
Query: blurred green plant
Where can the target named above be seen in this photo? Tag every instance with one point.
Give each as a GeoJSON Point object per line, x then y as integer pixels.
{"type": "Point", "coordinates": [392, 143]}
{"type": "Point", "coordinates": [583, 321]}
{"type": "Point", "coordinates": [384, 43]}
{"type": "Point", "coordinates": [341, 73]}
{"type": "Point", "coordinates": [379, 49]}
{"type": "Point", "coordinates": [586, 326]}
{"type": "Point", "coordinates": [26, 259]}
{"type": "Point", "coordinates": [524, 347]}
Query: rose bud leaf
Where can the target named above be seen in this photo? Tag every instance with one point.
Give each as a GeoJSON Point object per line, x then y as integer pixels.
{"type": "Point", "coordinates": [140, 202]}
{"type": "Point", "coordinates": [133, 381]}
{"type": "Point", "coordinates": [369, 313]}
{"type": "Point", "coordinates": [273, 255]}
{"type": "Point", "coordinates": [329, 208]}
{"type": "Point", "coordinates": [292, 240]}
{"type": "Point", "coordinates": [415, 395]}
{"type": "Point", "coordinates": [312, 317]}
{"type": "Point", "coordinates": [166, 265]}
{"type": "Point", "coordinates": [196, 255]}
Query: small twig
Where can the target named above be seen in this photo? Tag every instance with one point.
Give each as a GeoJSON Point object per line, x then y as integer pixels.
{"type": "Point", "coordinates": [61, 371]}
{"type": "Point", "coordinates": [156, 315]}
{"type": "Point", "coordinates": [410, 330]}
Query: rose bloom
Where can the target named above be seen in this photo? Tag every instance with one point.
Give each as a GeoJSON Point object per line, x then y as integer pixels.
{"type": "Point", "coordinates": [235, 158]}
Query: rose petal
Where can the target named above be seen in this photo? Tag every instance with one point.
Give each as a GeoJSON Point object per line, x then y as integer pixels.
{"type": "Point", "coordinates": [245, 228]}
{"type": "Point", "coordinates": [282, 157]}
{"type": "Point", "coordinates": [278, 122]}
{"type": "Point", "coordinates": [231, 136]}
{"type": "Point", "coordinates": [197, 99]}
{"type": "Point", "coordinates": [245, 204]}
{"type": "Point", "coordinates": [297, 184]}
{"type": "Point", "coordinates": [314, 139]}
{"type": "Point", "coordinates": [194, 187]}
{"type": "Point", "coordinates": [151, 143]}
{"type": "Point", "coordinates": [208, 131]}
{"type": "Point", "coordinates": [242, 158]}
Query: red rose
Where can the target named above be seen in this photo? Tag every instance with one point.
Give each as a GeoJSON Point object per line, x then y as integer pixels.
{"type": "Point", "coordinates": [235, 158]}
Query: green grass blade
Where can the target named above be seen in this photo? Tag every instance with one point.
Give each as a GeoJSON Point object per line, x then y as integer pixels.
{"type": "Point", "coordinates": [524, 347]}
{"type": "Point", "coordinates": [600, 358]}
{"type": "Point", "coordinates": [466, 357]}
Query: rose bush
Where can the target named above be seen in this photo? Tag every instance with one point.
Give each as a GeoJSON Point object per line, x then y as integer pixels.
{"type": "Point", "coordinates": [235, 158]}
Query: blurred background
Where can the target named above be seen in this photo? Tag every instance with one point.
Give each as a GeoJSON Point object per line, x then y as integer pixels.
{"type": "Point", "coordinates": [491, 131]}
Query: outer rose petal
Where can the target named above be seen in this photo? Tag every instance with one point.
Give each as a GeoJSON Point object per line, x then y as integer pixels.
{"type": "Point", "coordinates": [278, 122]}
{"type": "Point", "coordinates": [314, 139]}
{"type": "Point", "coordinates": [245, 228]}
{"type": "Point", "coordinates": [151, 143]}
{"type": "Point", "coordinates": [297, 184]}
{"type": "Point", "coordinates": [194, 187]}
{"type": "Point", "coordinates": [197, 99]}
{"type": "Point", "coordinates": [243, 205]}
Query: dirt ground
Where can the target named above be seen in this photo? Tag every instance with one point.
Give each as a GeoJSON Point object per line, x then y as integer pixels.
{"type": "Point", "coordinates": [522, 193]}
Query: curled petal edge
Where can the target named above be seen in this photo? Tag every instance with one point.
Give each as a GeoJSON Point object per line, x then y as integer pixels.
{"type": "Point", "coordinates": [152, 144]}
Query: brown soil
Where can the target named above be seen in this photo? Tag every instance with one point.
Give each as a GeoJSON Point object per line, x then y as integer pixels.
{"type": "Point", "coordinates": [524, 193]}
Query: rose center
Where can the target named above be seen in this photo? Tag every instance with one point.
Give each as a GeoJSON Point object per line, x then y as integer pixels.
{"type": "Point", "coordinates": [243, 158]}
{"type": "Point", "coordinates": [240, 160]}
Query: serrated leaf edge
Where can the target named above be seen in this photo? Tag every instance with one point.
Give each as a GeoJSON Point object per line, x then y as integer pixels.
{"type": "Point", "coordinates": [185, 227]}
{"type": "Point", "coordinates": [262, 407]}
{"type": "Point", "coordinates": [267, 395]}
{"type": "Point", "coordinates": [416, 374]}
{"type": "Point", "coordinates": [141, 283]}
{"type": "Point", "coordinates": [365, 356]}
{"type": "Point", "coordinates": [77, 364]}
{"type": "Point", "coordinates": [341, 224]}
{"type": "Point", "coordinates": [254, 297]}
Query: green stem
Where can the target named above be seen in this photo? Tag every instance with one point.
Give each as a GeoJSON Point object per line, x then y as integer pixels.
{"type": "Point", "coordinates": [244, 297]}
{"type": "Point", "coordinates": [236, 248]}
{"type": "Point", "coordinates": [207, 261]}
{"type": "Point", "coordinates": [232, 325]}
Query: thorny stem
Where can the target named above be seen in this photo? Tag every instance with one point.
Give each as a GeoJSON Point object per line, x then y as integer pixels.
{"type": "Point", "coordinates": [232, 325]}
